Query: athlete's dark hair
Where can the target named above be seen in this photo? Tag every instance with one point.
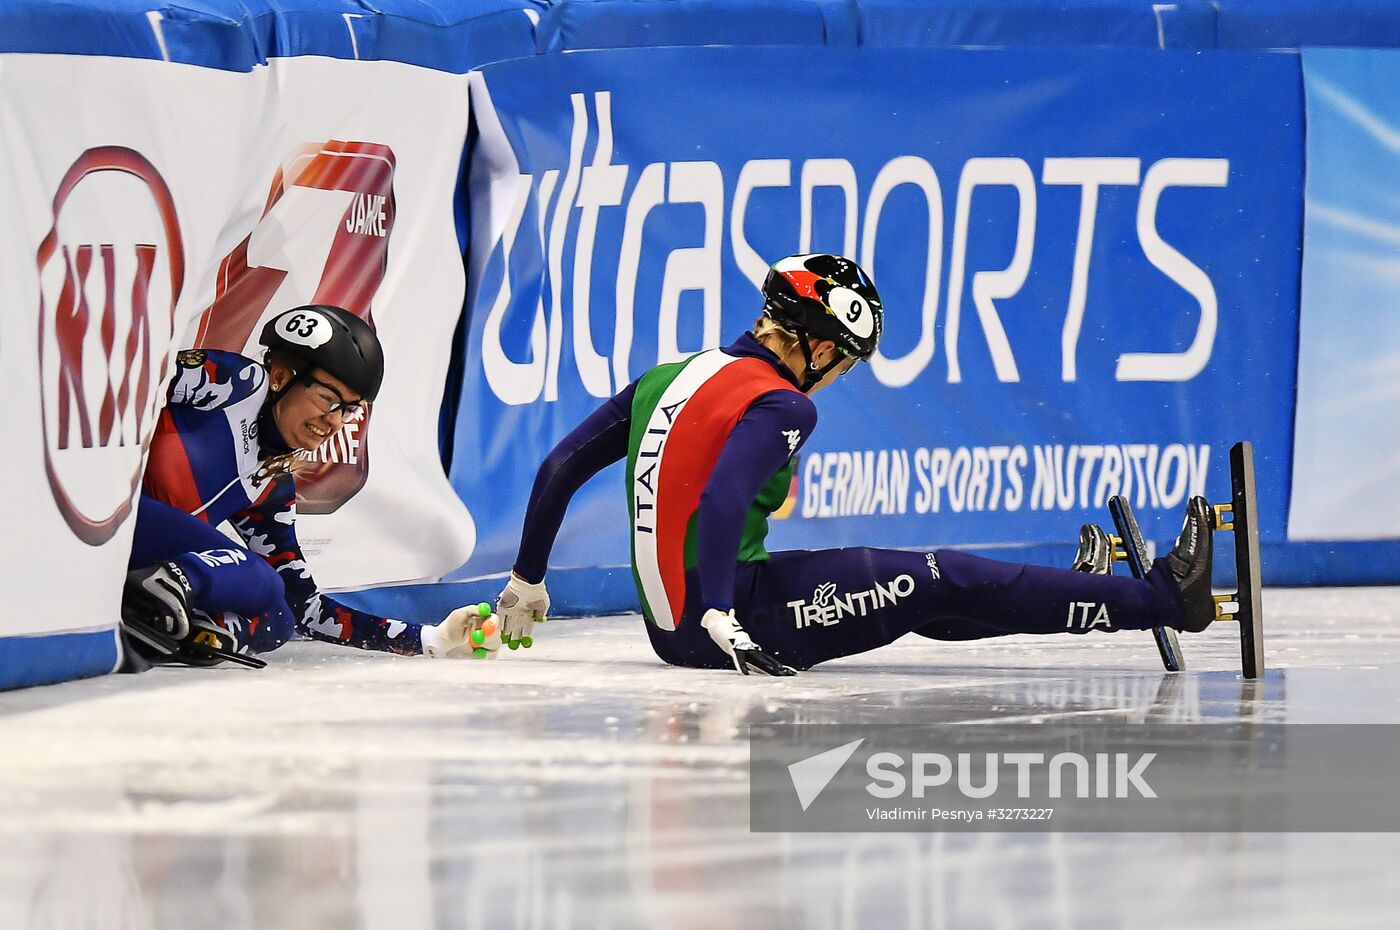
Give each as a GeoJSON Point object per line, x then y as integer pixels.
{"type": "Point", "coordinates": [288, 360]}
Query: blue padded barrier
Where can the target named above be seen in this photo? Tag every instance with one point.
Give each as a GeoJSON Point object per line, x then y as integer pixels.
{"type": "Point", "coordinates": [238, 35]}
{"type": "Point", "coordinates": [457, 35]}
{"type": "Point", "coordinates": [1297, 23]}
{"type": "Point", "coordinates": [42, 660]}
{"type": "Point", "coordinates": [998, 23]}
{"type": "Point", "coordinates": [593, 24]}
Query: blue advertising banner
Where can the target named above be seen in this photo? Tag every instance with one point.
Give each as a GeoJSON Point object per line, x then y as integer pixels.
{"type": "Point", "coordinates": [1347, 450]}
{"type": "Point", "coordinates": [1088, 258]}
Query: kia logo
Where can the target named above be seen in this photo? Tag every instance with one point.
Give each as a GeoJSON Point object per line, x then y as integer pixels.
{"type": "Point", "coordinates": [111, 270]}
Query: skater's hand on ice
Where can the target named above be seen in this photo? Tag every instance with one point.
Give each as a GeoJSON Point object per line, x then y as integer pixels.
{"type": "Point", "coordinates": [519, 606]}
{"type": "Point", "coordinates": [467, 633]}
{"type": "Point", "coordinates": [725, 630]}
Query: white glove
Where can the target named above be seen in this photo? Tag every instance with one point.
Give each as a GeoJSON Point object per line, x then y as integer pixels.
{"type": "Point", "coordinates": [725, 630]}
{"type": "Point", "coordinates": [468, 632]}
{"type": "Point", "coordinates": [520, 605]}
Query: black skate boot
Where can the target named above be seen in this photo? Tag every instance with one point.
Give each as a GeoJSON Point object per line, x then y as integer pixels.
{"type": "Point", "coordinates": [1190, 564]}
{"type": "Point", "coordinates": [1095, 555]}
{"type": "Point", "coordinates": [155, 613]}
{"type": "Point", "coordinates": [206, 642]}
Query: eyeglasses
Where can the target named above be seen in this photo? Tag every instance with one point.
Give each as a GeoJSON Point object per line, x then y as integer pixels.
{"type": "Point", "coordinates": [329, 400]}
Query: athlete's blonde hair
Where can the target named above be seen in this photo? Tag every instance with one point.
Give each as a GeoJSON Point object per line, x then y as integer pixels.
{"type": "Point", "coordinates": [769, 331]}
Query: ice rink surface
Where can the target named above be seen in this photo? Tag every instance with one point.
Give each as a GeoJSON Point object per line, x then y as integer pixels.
{"type": "Point", "coordinates": [582, 784]}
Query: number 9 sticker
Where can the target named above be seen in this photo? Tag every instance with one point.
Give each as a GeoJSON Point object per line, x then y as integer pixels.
{"type": "Point", "coordinates": [852, 310]}
{"type": "Point", "coordinates": [306, 328]}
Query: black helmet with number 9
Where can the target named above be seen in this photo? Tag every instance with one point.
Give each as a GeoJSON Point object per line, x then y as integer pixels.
{"type": "Point", "coordinates": [332, 339]}
{"type": "Point", "coordinates": [825, 297]}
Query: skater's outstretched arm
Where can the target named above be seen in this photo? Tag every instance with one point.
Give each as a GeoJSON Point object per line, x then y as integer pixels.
{"type": "Point", "coordinates": [269, 529]}
{"type": "Point", "coordinates": [594, 444]}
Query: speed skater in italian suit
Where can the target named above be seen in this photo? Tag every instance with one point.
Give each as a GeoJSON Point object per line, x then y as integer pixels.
{"type": "Point", "coordinates": [226, 448]}
{"type": "Point", "coordinates": [709, 444]}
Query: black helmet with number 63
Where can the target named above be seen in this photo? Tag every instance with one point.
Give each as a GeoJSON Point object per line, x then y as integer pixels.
{"type": "Point", "coordinates": [826, 297]}
{"type": "Point", "coordinates": [332, 339]}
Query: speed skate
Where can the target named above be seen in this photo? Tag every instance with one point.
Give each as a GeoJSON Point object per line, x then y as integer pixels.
{"type": "Point", "coordinates": [1245, 606]}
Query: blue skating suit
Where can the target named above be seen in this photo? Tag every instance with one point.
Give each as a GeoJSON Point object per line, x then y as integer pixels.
{"type": "Point", "coordinates": [807, 607]}
{"type": "Point", "coordinates": [217, 456]}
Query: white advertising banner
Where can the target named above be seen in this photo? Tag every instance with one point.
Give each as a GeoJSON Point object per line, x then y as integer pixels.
{"type": "Point", "coordinates": [122, 181]}
{"type": "Point", "coordinates": [149, 205]}
{"type": "Point", "coordinates": [351, 204]}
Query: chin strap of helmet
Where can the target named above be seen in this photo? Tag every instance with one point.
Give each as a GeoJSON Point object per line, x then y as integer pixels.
{"type": "Point", "coordinates": [267, 419]}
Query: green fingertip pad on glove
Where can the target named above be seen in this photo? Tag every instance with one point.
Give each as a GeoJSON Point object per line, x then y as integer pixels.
{"type": "Point", "coordinates": [484, 609]}
{"type": "Point", "coordinates": [478, 637]}
{"type": "Point", "coordinates": [514, 644]}
{"type": "Point", "coordinates": [527, 641]}
{"type": "Point", "coordinates": [479, 653]}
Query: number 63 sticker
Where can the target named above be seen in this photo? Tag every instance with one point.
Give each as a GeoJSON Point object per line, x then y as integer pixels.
{"type": "Point", "coordinates": [307, 328]}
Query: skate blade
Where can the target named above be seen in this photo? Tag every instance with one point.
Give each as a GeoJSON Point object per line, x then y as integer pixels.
{"type": "Point", "coordinates": [1240, 516]}
{"type": "Point", "coordinates": [1128, 546]}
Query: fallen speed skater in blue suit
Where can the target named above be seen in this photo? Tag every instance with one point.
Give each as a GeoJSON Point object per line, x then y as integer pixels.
{"type": "Point", "coordinates": [226, 448]}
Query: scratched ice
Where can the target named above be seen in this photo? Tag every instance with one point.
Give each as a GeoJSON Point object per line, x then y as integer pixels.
{"type": "Point", "coordinates": [586, 785]}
